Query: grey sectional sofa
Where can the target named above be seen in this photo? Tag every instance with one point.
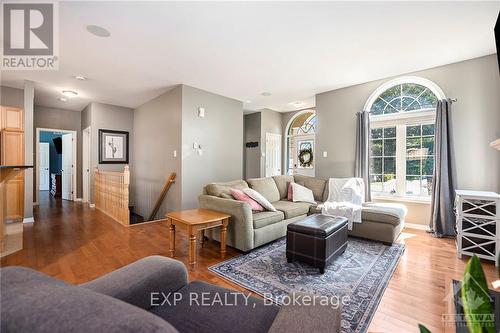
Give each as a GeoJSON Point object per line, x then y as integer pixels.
{"type": "Point", "coordinates": [248, 230]}
{"type": "Point", "coordinates": [150, 295]}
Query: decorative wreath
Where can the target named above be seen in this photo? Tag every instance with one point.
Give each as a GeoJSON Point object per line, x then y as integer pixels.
{"type": "Point", "coordinates": [303, 157]}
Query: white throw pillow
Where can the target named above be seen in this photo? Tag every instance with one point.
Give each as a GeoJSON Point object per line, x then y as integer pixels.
{"type": "Point", "coordinates": [259, 198]}
{"type": "Point", "coordinates": [302, 194]}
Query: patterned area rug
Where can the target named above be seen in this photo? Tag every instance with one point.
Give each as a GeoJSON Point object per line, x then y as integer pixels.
{"type": "Point", "coordinates": [361, 273]}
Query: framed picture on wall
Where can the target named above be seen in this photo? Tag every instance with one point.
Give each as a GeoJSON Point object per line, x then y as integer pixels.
{"type": "Point", "coordinates": [113, 147]}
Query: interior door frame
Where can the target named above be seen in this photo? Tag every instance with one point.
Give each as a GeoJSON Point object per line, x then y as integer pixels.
{"type": "Point", "coordinates": [86, 143]}
{"type": "Point", "coordinates": [48, 159]}
{"type": "Point", "coordinates": [75, 169]}
{"type": "Point", "coordinates": [280, 147]}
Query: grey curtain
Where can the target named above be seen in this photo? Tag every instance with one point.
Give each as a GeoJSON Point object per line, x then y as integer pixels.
{"type": "Point", "coordinates": [442, 222]}
{"type": "Point", "coordinates": [362, 160]}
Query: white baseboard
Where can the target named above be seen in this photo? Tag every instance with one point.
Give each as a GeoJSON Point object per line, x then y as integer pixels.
{"type": "Point", "coordinates": [416, 226]}
{"type": "Point", "coordinates": [78, 200]}
{"type": "Point", "coordinates": [91, 205]}
{"type": "Point", "coordinates": [28, 220]}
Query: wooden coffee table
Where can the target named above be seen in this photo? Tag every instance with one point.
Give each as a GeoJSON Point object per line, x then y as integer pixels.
{"type": "Point", "coordinates": [197, 221]}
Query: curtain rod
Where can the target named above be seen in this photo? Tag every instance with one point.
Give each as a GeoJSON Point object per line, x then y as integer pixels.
{"type": "Point", "coordinates": [453, 100]}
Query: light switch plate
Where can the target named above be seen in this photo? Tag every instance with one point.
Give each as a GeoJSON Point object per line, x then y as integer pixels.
{"type": "Point", "coordinates": [201, 112]}
{"type": "Point", "coordinates": [325, 154]}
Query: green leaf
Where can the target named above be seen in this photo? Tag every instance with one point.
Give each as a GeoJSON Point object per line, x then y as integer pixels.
{"type": "Point", "coordinates": [476, 299]}
{"type": "Point", "coordinates": [423, 329]}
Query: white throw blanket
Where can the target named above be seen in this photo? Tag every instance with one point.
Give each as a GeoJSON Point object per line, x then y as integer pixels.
{"type": "Point", "coordinates": [345, 198]}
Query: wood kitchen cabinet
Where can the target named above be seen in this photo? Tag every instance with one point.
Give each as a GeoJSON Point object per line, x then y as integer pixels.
{"type": "Point", "coordinates": [12, 153]}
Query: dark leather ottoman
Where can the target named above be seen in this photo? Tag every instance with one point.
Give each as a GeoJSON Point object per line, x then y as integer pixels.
{"type": "Point", "coordinates": [317, 240]}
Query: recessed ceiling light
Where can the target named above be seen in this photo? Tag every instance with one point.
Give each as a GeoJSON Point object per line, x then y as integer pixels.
{"type": "Point", "coordinates": [248, 101]}
{"type": "Point", "coordinates": [62, 99]}
{"type": "Point", "coordinates": [80, 77]}
{"type": "Point", "coordinates": [98, 31]}
{"type": "Point", "coordinates": [69, 93]}
{"type": "Point", "coordinates": [266, 93]}
{"type": "Point", "coordinates": [298, 103]}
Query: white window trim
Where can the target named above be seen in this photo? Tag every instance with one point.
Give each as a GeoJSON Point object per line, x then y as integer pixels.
{"type": "Point", "coordinates": [401, 120]}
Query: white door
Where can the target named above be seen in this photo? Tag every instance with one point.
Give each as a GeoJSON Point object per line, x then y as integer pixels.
{"type": "Point", "coordinates": [273, 154]}
{"type": "Point", "coordinates": [86, 164]}
{"type": "Point", "coordinates": [43, 148]}
{"type": "Point", "coordinates": [67, 167]}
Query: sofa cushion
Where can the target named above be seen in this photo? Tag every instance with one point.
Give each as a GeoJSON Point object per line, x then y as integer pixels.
{"type": "Point", "coordinates": [262, 219]}
{"type": "Point", "coordinates": [259, 198]}
{"type": "Point", "coordinates": [292, 209]}
{"type": "Point", "coordinates": [34, 302]}
{"type": "Point", "coordinates": [282, 184]}
{"type": "Point", "coordinates": [381, 212]}
{"type": "Point", "coordinates": [302, 194]}
{"type": "Point", "coordinates": [265, 186]}
{"type": "Point", "coordinates": [221, 190]}
{"type": "Point", "coordinates": [317, 185]}
{"type": "Point", "coordinates": [242, 196]}
{"type": "Point", "coordinates": [240, 313]}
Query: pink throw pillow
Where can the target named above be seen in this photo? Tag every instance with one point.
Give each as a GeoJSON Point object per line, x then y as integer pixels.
{"type": "Point", "coordinates": [240, 196]}
{"type": "Point", "coordinates": [289, 196]}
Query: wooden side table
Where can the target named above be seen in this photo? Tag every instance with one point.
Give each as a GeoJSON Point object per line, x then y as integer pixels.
{"type": "Point", "coordinates": [195, 221]}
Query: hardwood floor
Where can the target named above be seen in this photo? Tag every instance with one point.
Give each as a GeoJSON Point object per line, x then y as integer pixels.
{"type": "Point", "coordinates": [74, 243]}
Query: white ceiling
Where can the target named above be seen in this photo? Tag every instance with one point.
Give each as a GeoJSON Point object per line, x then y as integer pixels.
{"type": "Point", "coordinates": [241, 49]}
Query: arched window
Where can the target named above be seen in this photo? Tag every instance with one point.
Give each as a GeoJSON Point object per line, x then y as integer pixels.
{"type": "Point", "coordinates": [300, 143]}
{"type": "Point", "coordinates": [402, 116]}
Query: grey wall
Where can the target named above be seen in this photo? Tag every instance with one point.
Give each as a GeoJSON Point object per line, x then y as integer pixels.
{"type": "Point", "coordinates": [157, 133]}
{"type": "Point", "coordinates": [12, 97]}
{"type": "Point", "coordinates": [63, 120]}
{"type": "Point", "coordinates": [476, 122]}
{"type": "Point", "coordinates": [271, 122]}
{"type": "Point", "coordinates": [111, 117]}
{"type": "Point", "coordinates": [252, 156]}
{"type": "Point", "coordinates": [29, 100]}
{"type": "Point", "coordinates": [220, 133]}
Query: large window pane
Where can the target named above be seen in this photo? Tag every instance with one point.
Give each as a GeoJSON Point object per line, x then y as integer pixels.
{"type": "Point", "coordinates": [377, 148]}
{"type": "Point", "coordinates": [428, 129]}
{"type": "Point", "coordinates": [413, 131]}
{"type": "Point", "coordinates": [376, 165]}
{"type": "Point", "coordinates": [390, 147]}
{"type": "Point", "coordinates": [389, 165]}
{"type": "Point", "coordinates": [427, 186]}
{"type": "Point", "coordinates": [413, 185]}
{"type": "Point", "coordinates": [413, 167]}
{"type": "Point", "coordinates": [390, 132]}
{"type": "Point", "coordinates": [377, 133]}
{"type": "Point", "coordinates": [389, 183]}
{"type": "Point", "coordinates": [428, 145]}
{"type": "Point", "coordinates": [428, 165]}
{"type": "Point", "coordinates": [376, 183]}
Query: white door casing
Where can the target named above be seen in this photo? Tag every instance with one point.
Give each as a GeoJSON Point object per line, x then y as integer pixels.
{"type": "Point", "coordinates": [273, 154]}
{"type": "Point", "coordinates": [67, 167]}
{"type": "Point", "coordinates": [44, 165]}
{"type": "Point", "coordinates": [86, 165]}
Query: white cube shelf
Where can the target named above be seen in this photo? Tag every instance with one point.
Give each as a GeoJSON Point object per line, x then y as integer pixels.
{"type": "Point", "coordinates": [478, 224]}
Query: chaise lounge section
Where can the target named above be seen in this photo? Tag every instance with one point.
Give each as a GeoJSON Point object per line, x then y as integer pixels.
{"type": "Point", "coordinates": [248, 230]}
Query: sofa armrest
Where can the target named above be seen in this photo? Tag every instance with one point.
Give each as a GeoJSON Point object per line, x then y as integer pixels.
{"type": "Point", "coordinates": [135, 282]}
{"type": "Point", "coordinates": [240, 223]}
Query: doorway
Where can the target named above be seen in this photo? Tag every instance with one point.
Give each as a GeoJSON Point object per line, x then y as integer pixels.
{"type": "Point", "coordinates": [56, 164]}
{"type": "Point", "coordinates": [273, 154]}
{"type": "Point", "coordinates": [300, 144]}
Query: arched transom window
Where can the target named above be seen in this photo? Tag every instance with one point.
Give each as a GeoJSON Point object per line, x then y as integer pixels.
{"type": "Point", "coordinates": [403, 98]}
{"type": "Point", "coordinates": [402, 116]}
